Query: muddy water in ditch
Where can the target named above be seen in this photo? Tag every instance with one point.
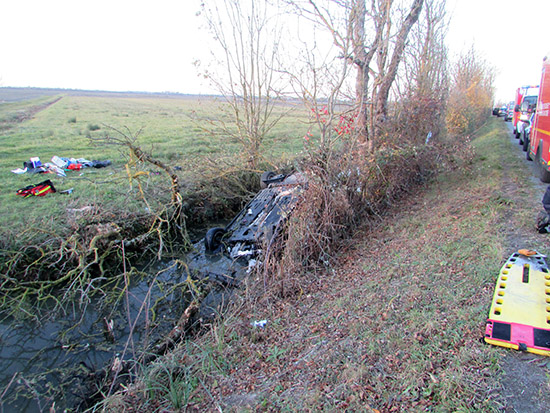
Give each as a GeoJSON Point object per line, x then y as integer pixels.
{"type": "Point", "coordinates": [47, 362]}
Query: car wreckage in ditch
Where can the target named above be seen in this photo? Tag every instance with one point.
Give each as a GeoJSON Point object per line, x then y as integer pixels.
{"type": "Point", "coordinates": [227, 254]}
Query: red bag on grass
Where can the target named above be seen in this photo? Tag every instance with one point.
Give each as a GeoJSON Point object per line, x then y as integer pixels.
{"type": "Point", "coordinates": [75, 166]}
{"type": "Point", "coordinates": [40, 189]}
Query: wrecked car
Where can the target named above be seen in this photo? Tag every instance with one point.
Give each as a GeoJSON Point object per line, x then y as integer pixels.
{"type": "Point", "coordinates": [260, 220]}
{"type": "Point", "coordinates": [226, 254]}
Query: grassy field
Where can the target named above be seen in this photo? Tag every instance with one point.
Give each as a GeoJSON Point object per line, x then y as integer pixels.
{"type": "Point", "coordinates": [172, 131]}
{"type": "Point", "coordinates": [394, 325]}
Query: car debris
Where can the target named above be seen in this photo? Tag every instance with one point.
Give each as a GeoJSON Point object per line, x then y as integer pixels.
{"type": "Point", "coordinates": [227, 254]}
{"type": "Point", "coordinates": [259, 324]}
{"type": "Point", "coordinates": [260, 220]}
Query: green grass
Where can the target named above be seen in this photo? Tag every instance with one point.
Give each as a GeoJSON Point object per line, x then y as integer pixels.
{"type": "Point", "coordinates": [172, 131]}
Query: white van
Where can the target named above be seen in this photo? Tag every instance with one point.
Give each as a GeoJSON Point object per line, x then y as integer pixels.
{"type": "Point", "coordinates": [526, 109]}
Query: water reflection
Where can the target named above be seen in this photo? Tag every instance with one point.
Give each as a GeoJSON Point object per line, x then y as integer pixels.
{"type": "Point", "coordinates": [46, 362]}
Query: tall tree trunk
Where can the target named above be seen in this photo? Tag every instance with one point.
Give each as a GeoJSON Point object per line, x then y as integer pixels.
{"type": "Point", "coordinates": [362, 79]}
{"type": "Point", "coordinates": [381, 98]}
{"type": "Point", "coordinates": [362, 60]}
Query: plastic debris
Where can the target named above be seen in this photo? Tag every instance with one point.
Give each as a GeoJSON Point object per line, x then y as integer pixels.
{"type": "Point", "coordinates": [58, 165]}
{"type": "Point", "coordinates": [19, 171]}
{"type": "Point", "coordinates": [56, 160]}
{"type": "Point", "coordinates": [236, 251]}
{"type": "Point", "coordinates": [33, 166]}
{"type": "Point", "coordinates": [428, 137]}
{"type": "Point", "coordinates": [55, 169]}
{"type": "Point", "coordinates": [259, 324]}
{"type": "Point", "coordinates": [35, 161]}
{"type": "Point", "coordinates": [75, 167]}
{"type": "Point", "coordinates": [251, 265]}
{"type": "Point", "coordinates": [244, 253]}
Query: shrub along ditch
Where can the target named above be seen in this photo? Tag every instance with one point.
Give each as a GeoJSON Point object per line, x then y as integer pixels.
{"type": "Point", "coordinates": [344, 194]}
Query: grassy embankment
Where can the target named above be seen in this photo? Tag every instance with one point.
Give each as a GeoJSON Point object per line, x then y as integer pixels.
{"type": "Point", "coordinates": [395, 325]}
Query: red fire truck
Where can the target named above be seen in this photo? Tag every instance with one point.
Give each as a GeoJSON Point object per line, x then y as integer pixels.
{"type": "Point", "coordinates": [519, 95]}
{"type": "Point", "coordinates": [539, 130]}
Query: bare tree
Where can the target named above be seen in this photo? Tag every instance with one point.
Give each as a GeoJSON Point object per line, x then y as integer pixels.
{"type": "Point", "coordinates": [373, 40]}
{"type": "Point", "coordinates": [170, 217]}
{"type": "Point", "coordinates": [426, 62]}
{"type": "Point", "coordinates": [248, 35]}
{"type": "Point", "coordinates": [423, 82]}
{"type": "Point", "coordinates": [388, 71]}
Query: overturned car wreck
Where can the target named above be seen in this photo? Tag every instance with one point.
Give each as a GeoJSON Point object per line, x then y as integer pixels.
{"type": "Point", "coordinates": [226, 255]}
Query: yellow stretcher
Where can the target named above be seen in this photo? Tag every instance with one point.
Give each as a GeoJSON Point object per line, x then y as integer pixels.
{"type": "Point", "coordinates": [520, 311]}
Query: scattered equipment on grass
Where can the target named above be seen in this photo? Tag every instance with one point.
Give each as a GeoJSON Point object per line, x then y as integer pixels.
{"type": "Point", "coordinates": [519, 317]}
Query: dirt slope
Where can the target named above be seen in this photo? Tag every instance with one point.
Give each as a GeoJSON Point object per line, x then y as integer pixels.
{"type": "Point", "coordinates": [397, 325]}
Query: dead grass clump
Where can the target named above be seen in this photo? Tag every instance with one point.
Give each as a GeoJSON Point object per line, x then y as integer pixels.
{"type": "Point", "coordinates": [322, 216]}
{"type": "Point", "coordinates": [340, 195]}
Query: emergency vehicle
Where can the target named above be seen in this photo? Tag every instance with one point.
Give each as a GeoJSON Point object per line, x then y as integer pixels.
{"type": "Point", "coordinates": [539, 130]}
{"type": "Point", "coordinates": [519, 95]}
{"type": "Point", "coordinates": [509, 112]}
{"type": "Point", "coordinates": [524, 111]}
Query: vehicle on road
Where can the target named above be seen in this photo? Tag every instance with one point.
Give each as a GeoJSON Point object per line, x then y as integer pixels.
{"type": "Point", "coordinates": [537, 126]}
{"type": "Point", "coordinates": [509, 112]}
{"type": "Point", "coordinates": [517, 103]}
{"type": "Point", "coordinates": [525, 94]}
{"type": "Point", "coordinates": [526, 110]}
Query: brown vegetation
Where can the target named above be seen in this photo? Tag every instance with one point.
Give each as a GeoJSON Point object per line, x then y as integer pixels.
{"type": "Point", "coordinates": [471, 94]}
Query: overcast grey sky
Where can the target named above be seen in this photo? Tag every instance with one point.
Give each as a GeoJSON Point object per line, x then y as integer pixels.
{"type": "Point", "coordinates": [511, 35]}
{"type": "Point", "coordinates": [116, 45]}
{"type": "Point", "coordinates": [136, 45]}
